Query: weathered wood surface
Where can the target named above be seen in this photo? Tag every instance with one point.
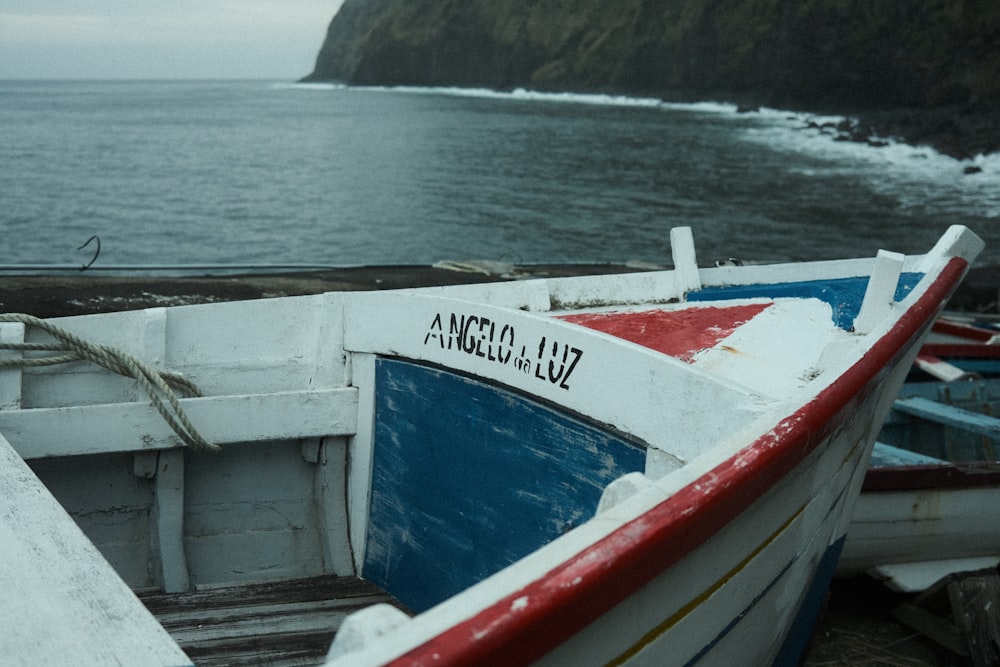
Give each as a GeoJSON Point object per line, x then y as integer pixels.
{"type": "Point", "coordinates": [976, 601]}
{"type": "Point", "coordinates": [252, 512]}
{"type": "Point", "coordinates": [961, 613]}
{"type": "Point", "coordinates": [459, 462]}
{"type": "Point", "coordinates": [949, 415]}
{"type": "Point", "coordinates": [61, 603]}
{"type": "Point", "coordinates": [127, 427]}
{"type": "Point", "coordinates": [791, 545]}
{"type": "Point", "coordinates": [952, 421]}
{"type": "Point", "coordinates": [282, 624]}
{"type": "Point", "coordinates": [802, 547]}
{"type": "Point", "coordinates": [880, 292]}
{"type": "Point", "coordinates": [591, 374]}
{"type": "Point", "coordinates": [928, 506]}
{"type": "Point", "coordinates": [228, 349]}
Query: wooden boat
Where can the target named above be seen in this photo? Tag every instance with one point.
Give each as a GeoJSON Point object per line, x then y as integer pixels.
{"type": "Point", "coordinates": [928, 507]}
{"type": "Point", "coordinates": [653, 468]}
{"type": "Point", "coordinates": [960, 347]}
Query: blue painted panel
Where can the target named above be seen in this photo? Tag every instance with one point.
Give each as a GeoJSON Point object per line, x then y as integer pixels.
{"type": "Point", "coordinates": [887, 456]}
{"type": "Point", "coordinates": [949, 415]}
{"type": "Point", "coordinates": [469, 477]}
{"type": "Point", "coordinates": [843, 294]}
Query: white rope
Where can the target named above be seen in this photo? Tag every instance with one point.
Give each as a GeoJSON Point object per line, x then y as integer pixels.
{"type": "Point", "coordinates": [159, 385]}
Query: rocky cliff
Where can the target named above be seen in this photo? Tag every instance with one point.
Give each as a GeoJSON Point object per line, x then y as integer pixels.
{"type": "Point", "coordinates": [928, 69]}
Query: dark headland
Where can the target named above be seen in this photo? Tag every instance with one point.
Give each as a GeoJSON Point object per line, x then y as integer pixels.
{"type": "Point", "coordinates": [918, 71]}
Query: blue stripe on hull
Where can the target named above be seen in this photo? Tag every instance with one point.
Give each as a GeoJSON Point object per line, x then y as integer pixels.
{"type": "Point", "coordinates": [802, 629]}
{"type": "Point", "coordinates": [469, 477]}
{"type": "Point", "coordinates": [844, 294]}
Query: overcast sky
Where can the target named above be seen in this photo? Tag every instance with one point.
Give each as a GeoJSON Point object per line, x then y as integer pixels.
{"type": "Point", "coordinates": [165, 39]}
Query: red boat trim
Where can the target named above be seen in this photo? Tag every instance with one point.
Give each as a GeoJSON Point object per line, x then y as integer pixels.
{"type": "Point", "coordinates": [963, 331]}
{"type": "Point", "coordinates": [921, 477]}
{"type": "Point", "coordinates": [961, 350]}
{"type": "Point", "coordinates": [536, 619]}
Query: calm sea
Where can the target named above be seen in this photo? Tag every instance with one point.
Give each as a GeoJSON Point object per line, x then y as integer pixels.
{"type": "Point", "coordinates": [172, 173]}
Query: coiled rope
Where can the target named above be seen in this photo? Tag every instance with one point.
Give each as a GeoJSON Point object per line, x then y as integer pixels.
{"type": "Point", "coordinates": [160, 386]}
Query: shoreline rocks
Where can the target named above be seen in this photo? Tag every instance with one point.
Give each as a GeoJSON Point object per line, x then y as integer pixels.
{"type": "Point", "coordinates": [924, 73]}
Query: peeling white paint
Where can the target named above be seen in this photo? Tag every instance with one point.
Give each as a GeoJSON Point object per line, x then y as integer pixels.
{"type": "Point", "coordinates": [519, 604]}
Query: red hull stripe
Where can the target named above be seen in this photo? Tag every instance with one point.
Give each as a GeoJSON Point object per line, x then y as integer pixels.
{"type": "Point", "coordinates": [580, 590]}
{"type": "Point", "coordinates": [963, 331]}
{"type": "Point", "coordinates": [961, 350]}
{"type": "Point", "coordinates": [944, 476]}
{"type": "Point", "coordinates": [681, 333]}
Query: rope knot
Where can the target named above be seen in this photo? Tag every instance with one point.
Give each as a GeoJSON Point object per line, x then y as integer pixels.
{"type": "Point", "coordinates": [160, 386]}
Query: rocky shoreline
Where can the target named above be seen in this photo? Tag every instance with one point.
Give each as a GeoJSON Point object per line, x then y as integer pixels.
{"type": "Point", "coordinates": [920, 73]}
{"type": "Point", "coordinates": [958, 133]}
{"type": "Point", "coordinates": [963, 136]}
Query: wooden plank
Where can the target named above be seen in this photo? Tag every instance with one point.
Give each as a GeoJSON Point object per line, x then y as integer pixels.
{"type": "Point", "coordinates": [62, 603]}
{"type": "Point", "coordinates": [290, 622]}
{"type": "Point", "coordinates": [961, 612]}
{"type": "Point", "coordinates": [949, 415]}
{"type": "Point", "coordinates": [880, 293]}
{"type": "Point", "coordinates": [975, 599]}
{"type": "Point", "coordinates": [931, 626]}
{"type": "Point", "coordinates": [539, 298]}
{"type": "Point", "coordinates": [888, 456]}
{"type": "Point", "coordinates": [940, 369]}
{"type": "Point", "coordinates": [685, 260]}
{"type": "Point", "coordinates": [251, 514]}
{"type": "Point", "coordinates": [504, 447]}
{"type": "Point", "coordinates": [125, 427]}
{"type": "Point", "coordinates": [250, 622]}
{"type": "Point", "coordinates": [112, 506]}
{"type": "Point", "coordinates": [965, 331]}
{"type": "Point", "coordinates": [154, 342]}
{"type": "Point", "coordinates": [304, 649]}
{"type": "Point", "coordinates": [10, 378]}
{"type": "Point", "coordinates": [168, 519]}
{"type": "Point", "coordinates": [361, 451]}
{"type": "Point", "coordinates": [222, 596]}
{"type": "Point", "coordinates": [331, 487]}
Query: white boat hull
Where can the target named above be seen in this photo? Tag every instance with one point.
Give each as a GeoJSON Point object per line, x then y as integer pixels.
{"type": "Point", "coordinates": [572, 495]}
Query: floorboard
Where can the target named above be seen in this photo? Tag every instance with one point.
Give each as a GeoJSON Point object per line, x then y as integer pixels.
{"type": "Point", "coordinates": [282, 624]}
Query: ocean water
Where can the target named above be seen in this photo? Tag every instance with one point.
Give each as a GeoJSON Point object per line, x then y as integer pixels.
{"type": "Point", "coordinates": [260, 173]}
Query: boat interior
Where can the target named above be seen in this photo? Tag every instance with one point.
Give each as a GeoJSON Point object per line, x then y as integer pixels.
{"type": "Point", "coordinates": [354, 471]}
